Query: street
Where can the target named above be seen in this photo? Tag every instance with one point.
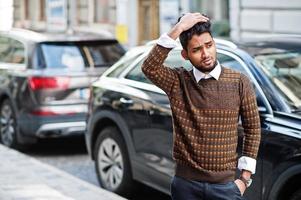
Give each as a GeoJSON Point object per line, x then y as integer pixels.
{"type": "Point", "coordinates": [70, 155]}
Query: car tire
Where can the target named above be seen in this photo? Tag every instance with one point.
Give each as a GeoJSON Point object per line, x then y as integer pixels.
{"type": "Point", "coordinates": [296, 195]}
{"type": "Point", "coordinates": [112, 162]}
{"type": "Point", "coordinates": [8, 125]}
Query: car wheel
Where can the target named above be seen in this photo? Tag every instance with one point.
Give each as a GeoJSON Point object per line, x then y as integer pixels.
{"type": "Point", "coordinates": [296, 195]}
{"type": "Point", "coordinates": [8, 129]}
{"type": "Point", "coordinates": [112, 162]}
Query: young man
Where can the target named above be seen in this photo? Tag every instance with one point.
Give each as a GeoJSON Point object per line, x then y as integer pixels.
{"type": "Point", "coordinates": [206, 103]}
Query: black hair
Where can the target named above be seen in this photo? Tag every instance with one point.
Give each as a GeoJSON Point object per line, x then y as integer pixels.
{"type": "Point", "coordinates": [198, 29]}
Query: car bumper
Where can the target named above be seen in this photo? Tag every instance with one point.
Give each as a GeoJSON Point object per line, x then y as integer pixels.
{"type": "Point", "coordinates": [61, 129]}
{"type": "Point", "coordinates": [52, 126]}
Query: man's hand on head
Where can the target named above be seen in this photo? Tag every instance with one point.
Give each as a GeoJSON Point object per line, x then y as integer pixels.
{"type": "Point", "coordinates": [190, 19]}
{"type": "Point", "coordinates": [186, 22]}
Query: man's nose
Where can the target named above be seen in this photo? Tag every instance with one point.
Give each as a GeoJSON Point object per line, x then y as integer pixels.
{"type": "Point", "coordinates": [204, 53]}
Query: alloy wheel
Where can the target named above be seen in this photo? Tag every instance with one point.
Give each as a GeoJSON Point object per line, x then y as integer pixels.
{"type": "Point", "coordinates": [110, 162]}
{"type": "Point", "coordinates": [7, 123]}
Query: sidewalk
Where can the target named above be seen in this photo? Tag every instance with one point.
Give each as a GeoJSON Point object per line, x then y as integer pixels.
{"type": "Point", "coordinates": [25, 178]}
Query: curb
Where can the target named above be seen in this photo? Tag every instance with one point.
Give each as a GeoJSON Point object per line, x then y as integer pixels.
{"type": "Point", "coordinates": [24, 177]}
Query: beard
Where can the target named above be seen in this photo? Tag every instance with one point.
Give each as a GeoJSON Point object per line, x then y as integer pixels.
{"type": "Point", "coordinates": [205, 69]}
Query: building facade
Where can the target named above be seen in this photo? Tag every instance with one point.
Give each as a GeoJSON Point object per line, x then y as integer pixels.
{"type": "Point", "coordinates": [257, 18]}
{"type": "Point", "coordinates": [131, 21]}
{"type": "Point", "coordinates": [135, 22]}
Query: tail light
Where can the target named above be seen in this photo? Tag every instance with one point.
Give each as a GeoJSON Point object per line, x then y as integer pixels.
{"type": "Point", "coordinates": [48, 112]}
{"type": "Point", "coordinates": [38, 83]}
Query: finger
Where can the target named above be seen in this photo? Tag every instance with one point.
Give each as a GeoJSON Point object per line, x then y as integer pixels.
{"type": "Point", "coordinates": [201, 19]}
{"type": "Point", "coordinates": [206, 18]}
{"type": "Point", "coordinates": [200, 15]}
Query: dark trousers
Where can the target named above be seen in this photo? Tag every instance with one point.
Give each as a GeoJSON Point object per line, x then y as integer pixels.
{"type": "Point", "coordinates": [182, 189]}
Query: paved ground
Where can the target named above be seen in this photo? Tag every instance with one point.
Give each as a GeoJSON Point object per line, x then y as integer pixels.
{"type": "Point", "coordinates": [25, 178]}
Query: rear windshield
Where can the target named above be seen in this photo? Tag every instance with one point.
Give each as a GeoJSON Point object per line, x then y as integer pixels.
{"type": "Point", "coordinates": [77, 56]}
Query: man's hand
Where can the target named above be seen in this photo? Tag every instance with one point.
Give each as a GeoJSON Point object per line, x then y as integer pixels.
{"type": "Point", "coordinates": [185, 23]}
{"type": "Point", "coordinates": [190, 19]}
{"type": "Point", "coordinates": [241, 186]}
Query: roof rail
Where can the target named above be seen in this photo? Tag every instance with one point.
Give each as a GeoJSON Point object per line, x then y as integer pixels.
{"type": "Point", "coordinates": [26, 33]}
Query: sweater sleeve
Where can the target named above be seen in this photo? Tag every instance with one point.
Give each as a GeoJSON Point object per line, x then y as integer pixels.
{"type": "Point", "coordinates": [250, 119]}
{"type": "Point", "coordinates": [153, 68]}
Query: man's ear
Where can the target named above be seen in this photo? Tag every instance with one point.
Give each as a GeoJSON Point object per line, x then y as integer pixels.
{"type": "Point", "coordinates": [184, 54]}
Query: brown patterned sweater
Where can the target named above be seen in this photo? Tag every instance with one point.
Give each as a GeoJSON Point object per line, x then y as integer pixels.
{"type": "Point", "coordinates": [205, 118]}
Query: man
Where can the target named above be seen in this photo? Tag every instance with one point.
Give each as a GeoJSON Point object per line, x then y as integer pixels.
{"type": "Point", "coordinates": [206, 103]}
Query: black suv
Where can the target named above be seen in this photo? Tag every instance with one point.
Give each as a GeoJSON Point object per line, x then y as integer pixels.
{"type": "Point", "coordinates": [130, 129]}
{"type": "Point", "coordinates": [44, 82]}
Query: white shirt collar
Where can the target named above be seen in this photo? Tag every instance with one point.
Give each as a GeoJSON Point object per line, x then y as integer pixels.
{"type": "Point", "coordinates": [215, 73]}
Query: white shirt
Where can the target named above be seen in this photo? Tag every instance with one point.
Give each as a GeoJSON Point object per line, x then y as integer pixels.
{"type": "Point", "coordinates": [244, 162]}
{"type": "Point", "coordinates": [215, 73]}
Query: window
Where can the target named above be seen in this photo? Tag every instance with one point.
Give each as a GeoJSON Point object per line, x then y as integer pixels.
{"type": "Point", "coordinates": [63, 56]}
{"type": "Point", "coordinates": [104, 53]}
{"type": "Point", "coordinates": [136, 74]}
{"type": "Point", "coordinates": [26, 9]}
{"type": "Point", "coordinates": [11, 51]}
{"type": "Point", "coordinates": [174, 59]}
{"type": "Point", "coordinates": [105, 11]}
{"type": "Point", "coordinates": [228, 61]}
{"type": "Point", "coordinates": [283, 68]}
{"type": "Point", "coordinates": [42, 10]}
{"type": "Point", "coordinates": [5, 49]}
{"type": "Point", "coordinates": [122, 65]}
{"type": "Point", "coordinates": [30, 8]}
{"type": "Point", "coordinates": [77, 55]}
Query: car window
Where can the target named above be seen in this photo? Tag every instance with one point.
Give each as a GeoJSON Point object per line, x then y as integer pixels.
{"type": "Point", "coordinates": [230, 62]}
{"type": "Point", "coordinates": [173, 60]}
{"type": "Point", "coordinates": [122, 65]}
{"type": "Point", "coordinates": [11, 51]}
{"type": "Point", "coordinates": [136, 74]}
{"type": "Point", "coordinates": [78, 55]}
{"type": "Point", "coordinates": [105, 54]}
{"type": "Point", "coordinates": [283, 68]}
{"type": "Point", "coordinates": [62, 56]}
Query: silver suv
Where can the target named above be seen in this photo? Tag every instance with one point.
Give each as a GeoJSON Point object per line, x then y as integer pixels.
{"type": "Point", "coordinates": [44, 81]}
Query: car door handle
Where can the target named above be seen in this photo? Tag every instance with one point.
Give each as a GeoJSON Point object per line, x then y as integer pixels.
{"type": "Point", "coordinates": [126, 101]}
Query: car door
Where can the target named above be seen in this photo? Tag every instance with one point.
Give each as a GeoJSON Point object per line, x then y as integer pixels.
{"type": "Point", "coordinates": [233, 61]}
{"type": "Point", "coordinates": [154, 146]}
{"type": "Point", "coordinates": [161, 120]}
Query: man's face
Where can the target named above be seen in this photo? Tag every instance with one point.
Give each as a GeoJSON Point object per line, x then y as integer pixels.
{"type": "Point", "coordinates": [201, 52]}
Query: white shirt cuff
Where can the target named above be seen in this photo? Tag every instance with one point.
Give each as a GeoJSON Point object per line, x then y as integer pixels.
{"type": "Point", "coordinates": [247, 163]}
{"type": "Point", "coordinates": [166, 41]}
